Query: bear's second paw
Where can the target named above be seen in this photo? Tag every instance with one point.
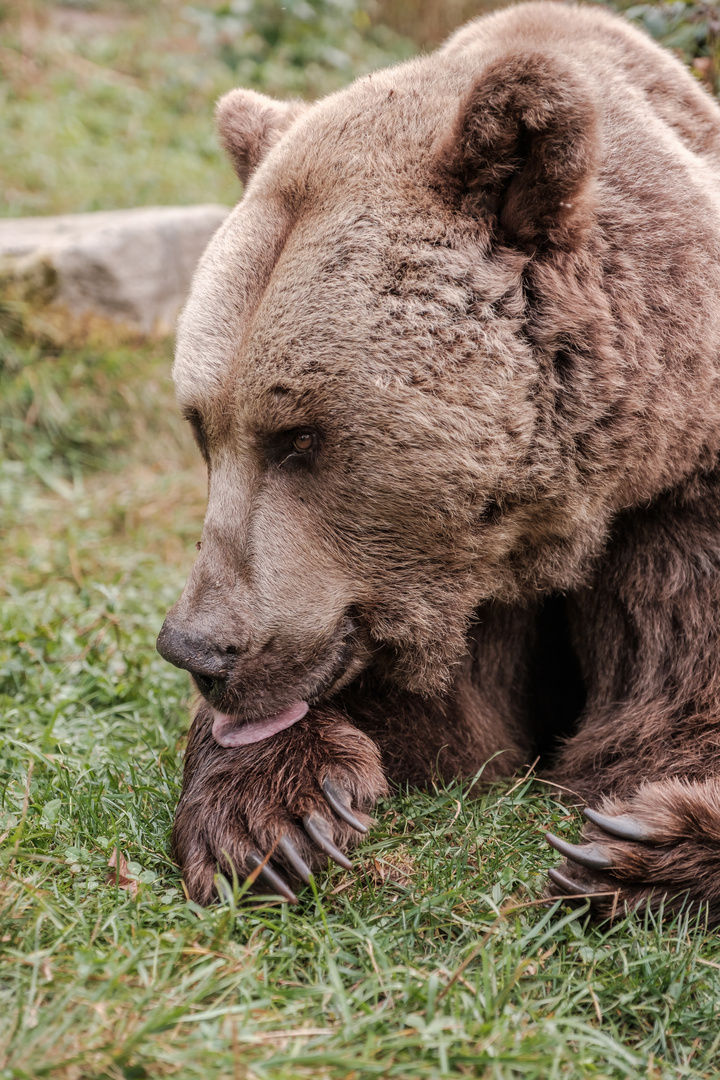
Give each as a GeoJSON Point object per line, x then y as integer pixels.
{"type": "Point", "coordinates": [276, 809]}
{"type": "Point", "coordinates": [661, 846]}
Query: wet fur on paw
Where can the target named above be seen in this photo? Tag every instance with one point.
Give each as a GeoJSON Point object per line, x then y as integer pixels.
{"type": "Point", "coordinates": [659, 847]}
{"type": "Point", "coordinates": [239, 803]}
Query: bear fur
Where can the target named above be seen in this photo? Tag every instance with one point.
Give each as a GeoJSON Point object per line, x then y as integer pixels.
{"type": "Point", "coordinates": [454, 365]}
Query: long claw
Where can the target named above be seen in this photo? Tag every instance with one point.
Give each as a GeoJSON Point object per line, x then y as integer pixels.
{"type": "Point", "coordinates": [295, 859]}
{"type": "Point", "coordinates": [589, 855]}
{"type": "Point", "coordinates": [623, 826]}
{"type": "Point", "coordinates": [334, 796]}
{"type": "Point", "coordinates": [272, 878]}
{"type": "Point", "coordinates": [317, 831]}
{"type": "Point", "coordinates": [566, 884]}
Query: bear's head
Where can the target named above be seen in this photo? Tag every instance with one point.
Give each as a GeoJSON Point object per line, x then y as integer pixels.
{"type": "Point", "coordinates": [382, 447]}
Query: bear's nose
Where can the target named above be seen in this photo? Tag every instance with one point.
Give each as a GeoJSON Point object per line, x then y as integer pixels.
{"type": "Point", "coordinates": [206, 662]}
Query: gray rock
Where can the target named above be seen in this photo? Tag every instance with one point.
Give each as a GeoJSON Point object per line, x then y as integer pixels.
{"type": "Point", "coordinates": [134, 266]}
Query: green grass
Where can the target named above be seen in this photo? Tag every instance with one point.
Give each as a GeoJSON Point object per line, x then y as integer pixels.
{"type": "Point", "coordinates": [358, 980]}
{"type": "Point", "coordinates": [105, 118]}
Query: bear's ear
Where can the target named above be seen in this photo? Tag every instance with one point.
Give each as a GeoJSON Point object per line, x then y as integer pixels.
{"type": "Point", "coordinates": [523, 152]}
{"type": "Point", "coordinates": [249, 124]}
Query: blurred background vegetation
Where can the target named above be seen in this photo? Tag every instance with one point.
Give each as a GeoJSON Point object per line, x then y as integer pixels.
{"type": "Point", "coordinates": [108, 103]}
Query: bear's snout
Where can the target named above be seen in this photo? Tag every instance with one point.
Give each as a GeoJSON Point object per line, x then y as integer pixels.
{"type": "Point", "coordinates": [208, 663]}
{"type": "Point", "coordinates": [258, 680]}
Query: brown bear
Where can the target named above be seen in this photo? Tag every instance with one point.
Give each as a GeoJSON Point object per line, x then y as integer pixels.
{"type": "Point", "coordinates": [454, 366]}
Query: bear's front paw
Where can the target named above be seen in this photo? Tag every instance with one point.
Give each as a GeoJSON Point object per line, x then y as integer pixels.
{"type": "Point", "coordinates": [281, 806]}
{"type": "Point", "coordinates": [660, 845]}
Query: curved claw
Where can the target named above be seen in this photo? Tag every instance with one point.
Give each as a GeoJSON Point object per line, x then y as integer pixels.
{"type": "Point", "coordinates": [623, 826]}
{"type": "Point", "coordinates": [566, 884]}
{"type": "Point", "coordinates": [272, 878]}
{"type": "Point", "coordinates": [336, 801]}
{"type": "Point", "coordinates": [589, 855]}
{"type": "Point", "coordinates": [295, 859]}
{"type": "Point", "coordinates": [316, 828]}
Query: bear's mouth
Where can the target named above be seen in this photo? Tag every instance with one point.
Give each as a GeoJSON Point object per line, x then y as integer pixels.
{"type": "Point", "coordinates": [231, 730]}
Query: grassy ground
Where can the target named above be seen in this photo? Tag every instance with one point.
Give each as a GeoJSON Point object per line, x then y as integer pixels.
{"type": "Point", "coordinates": [437, 957]}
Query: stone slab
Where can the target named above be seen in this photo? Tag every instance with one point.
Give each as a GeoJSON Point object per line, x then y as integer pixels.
{"type": "Point", "coordinates": [133, 266]}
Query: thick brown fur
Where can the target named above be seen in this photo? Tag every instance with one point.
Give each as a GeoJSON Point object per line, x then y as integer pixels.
{"type": "Point", "coordinates": [484, 284]}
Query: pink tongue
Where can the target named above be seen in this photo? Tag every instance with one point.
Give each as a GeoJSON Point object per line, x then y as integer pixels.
{"type": "Point", "coordinates": [231, 731]}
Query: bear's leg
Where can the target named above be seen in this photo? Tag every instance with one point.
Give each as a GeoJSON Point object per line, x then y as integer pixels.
{"type": "Point", "coordinates": [296, 799]}
{"type": "Point", "coordinates": [660, 845]}
{"type": "Point", "coordinates": [646, 756]}
{"type": "Point", "coordinates": [481, 723]}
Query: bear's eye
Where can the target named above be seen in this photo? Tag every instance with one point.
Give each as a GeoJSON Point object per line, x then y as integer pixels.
{"type": "Point", "coordinates": [295, 447]}
{"type": "Point", "coordinates": [303, 441]}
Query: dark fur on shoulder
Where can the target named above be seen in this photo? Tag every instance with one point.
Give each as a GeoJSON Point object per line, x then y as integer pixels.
{"type": "Point", "coordinates": [454, 364]}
